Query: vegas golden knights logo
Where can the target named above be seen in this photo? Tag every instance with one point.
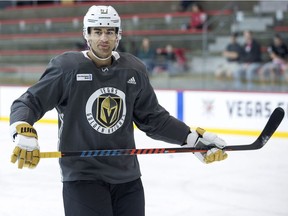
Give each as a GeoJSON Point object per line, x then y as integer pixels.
{"type": "Point", "coordinates": [106, 110]}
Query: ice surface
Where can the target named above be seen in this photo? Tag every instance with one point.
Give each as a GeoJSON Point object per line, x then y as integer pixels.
{"type": "Point", "coordinates": [252, 183]}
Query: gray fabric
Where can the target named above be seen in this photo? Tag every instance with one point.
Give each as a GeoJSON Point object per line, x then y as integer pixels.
{"type": "Point", "coordinates": [97, 108]}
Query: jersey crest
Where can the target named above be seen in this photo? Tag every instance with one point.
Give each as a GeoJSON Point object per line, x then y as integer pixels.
{"type": "Point", "coordinates": [106, 110]}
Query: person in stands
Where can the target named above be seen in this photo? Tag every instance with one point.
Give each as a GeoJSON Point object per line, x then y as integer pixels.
{"type": "Point", "coordinates": [250, 62]}
{"type": "Point", "coordinates": [232, 54]}
{"type": "Point", "coordinates": [275, 68]}
{"type": "Point", "coordinates": [198, 17]}
{"type": "Point", "coordinates": [147, 54]}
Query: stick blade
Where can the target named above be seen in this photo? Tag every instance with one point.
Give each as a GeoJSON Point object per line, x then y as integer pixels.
{"type": "Point", "coordinates": [269, 129]}
{"type": "Point", "coordinates": [271, 126]}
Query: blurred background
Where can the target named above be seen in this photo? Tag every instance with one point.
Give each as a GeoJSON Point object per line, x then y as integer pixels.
{"type": "Point", "coordinates": [185, 44]}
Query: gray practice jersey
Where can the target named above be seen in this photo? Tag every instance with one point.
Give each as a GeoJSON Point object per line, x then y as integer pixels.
{"type": "Point", "coordinates": [96, 109]}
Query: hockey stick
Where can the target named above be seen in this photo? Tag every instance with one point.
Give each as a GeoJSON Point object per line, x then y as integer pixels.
{"type": "Point", "coordinates": [269, 129]}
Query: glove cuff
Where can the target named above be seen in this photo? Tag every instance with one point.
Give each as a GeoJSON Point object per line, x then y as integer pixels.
{"type": "Point", "coordinates": [22, 128]}
{"type": "Point", "coordinates": [200, 131]}
{"type": "Point", "coordinates": [192, 138]}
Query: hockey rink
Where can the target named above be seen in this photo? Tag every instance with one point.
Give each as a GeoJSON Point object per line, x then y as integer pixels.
{"type": "Point", "coordinates": [251, 183]}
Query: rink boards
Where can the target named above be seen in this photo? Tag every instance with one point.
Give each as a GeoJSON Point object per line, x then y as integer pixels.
{"type": "Point", "coordinates": [240, 113]}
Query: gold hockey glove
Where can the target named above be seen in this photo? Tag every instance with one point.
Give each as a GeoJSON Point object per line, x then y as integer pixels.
{"type": "Point", "coordinates": [27, 149]}
{"type": "Point", "coordinates": [199, 138]}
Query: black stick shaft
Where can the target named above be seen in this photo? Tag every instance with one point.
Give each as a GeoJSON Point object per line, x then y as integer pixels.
{"type": "Point", "coordinates": [269, 129]}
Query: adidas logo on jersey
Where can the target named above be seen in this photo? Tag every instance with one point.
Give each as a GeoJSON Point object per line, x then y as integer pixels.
{"type": "Point", "coordinates": [132, 81]}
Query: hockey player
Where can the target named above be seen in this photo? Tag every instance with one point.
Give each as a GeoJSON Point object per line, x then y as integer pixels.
{"type": "Point", "coordinates": [99, 93]}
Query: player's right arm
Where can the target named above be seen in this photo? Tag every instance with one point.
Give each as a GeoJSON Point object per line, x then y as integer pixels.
{"type": "Point", "coordinates": [28, 109]}
{"type": "Point", "coordinates": [26, 151]}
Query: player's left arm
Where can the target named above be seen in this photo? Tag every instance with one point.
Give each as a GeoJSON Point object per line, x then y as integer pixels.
{"type": "Point", "coordinates": [153, 119]}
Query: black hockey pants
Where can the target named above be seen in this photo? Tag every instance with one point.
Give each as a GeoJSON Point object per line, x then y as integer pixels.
{"type": "Point", "coordinates": [98, 198]}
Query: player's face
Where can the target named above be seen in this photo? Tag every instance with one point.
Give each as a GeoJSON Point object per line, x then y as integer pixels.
{"type": "Point", "coordinates": [102, 41]}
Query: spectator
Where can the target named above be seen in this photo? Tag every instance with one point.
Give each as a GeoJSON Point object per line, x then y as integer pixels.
{"type": "Point", "coordinates": [181, 59]}
{"type": "Point", "coordinates": [278, 53]}
{"type": "Point", "coordinates": [198, 17]}
{"type": "Point", "coordinates": [250, 61]}
{"type": "Point", "coordinates": [170, 60]}
{"type": "Point", "coordinates": [232, 54]}
{"type": "Point", "coordinates": [147, 54]}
